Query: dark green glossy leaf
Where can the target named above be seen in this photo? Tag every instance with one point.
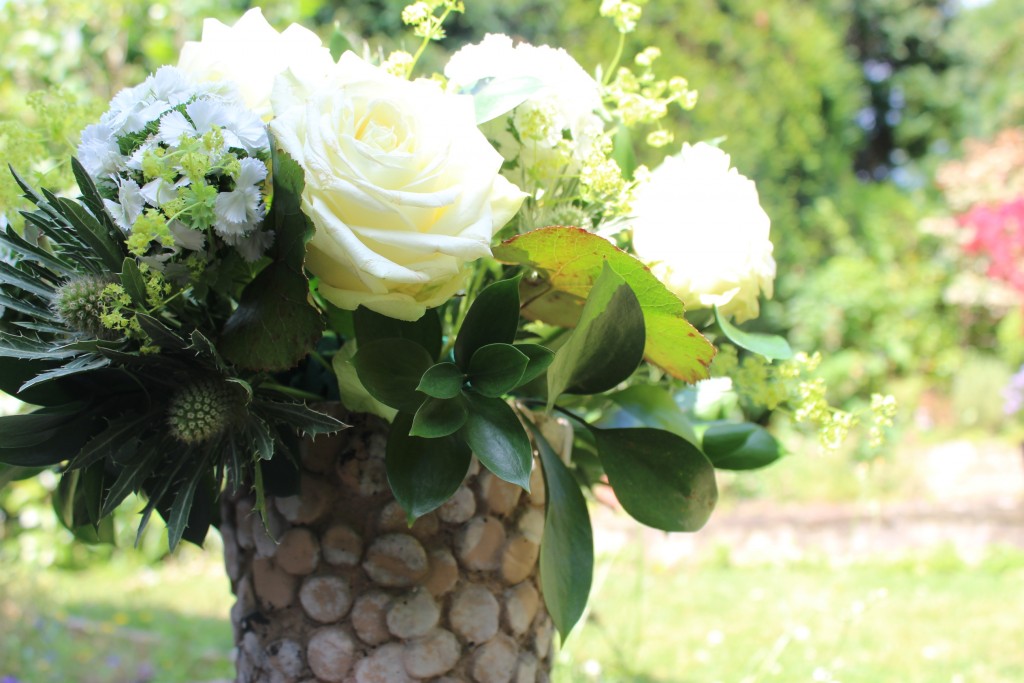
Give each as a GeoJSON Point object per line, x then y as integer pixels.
{"type": "Point", "coordinates": [740, 446]}
{"type": "Point", "coordinates": [371, 326]}
{"type": "Point", "coordinates": [654, 407]}
{"type": "Point", "coordinates": [134, 283]}
{"type": "Point", "coordinates": [607, 345]}
{"type": "Point", "coordinates": [33, 429]}
{"type": "Point", "coordinates": [50, 446]}
{"type": "Point", "coordinates": [495, 434]}
{"type": "Point", "coordinates": [567, 551]}
{"type": "Point", "coordinates": [661, 479]}
{"type": "Point", "coordinates": [391, 369]}
{"type": "Point", "coordinates": [443, 380]}
{"type": "Point", "coordinates": [439, 417]}
{"type": "Point", "coordinates": [9, 473]}
{"type": "Point", "coordinates": [540, 359]}
{"type": "Point", "coordinates": [495, 369]}
{"type": "Point", "coordinates": [274, 326]}
{"type": "Point", "coordinates": [770, 346]}
{"type": "Point", "coordinates": [423, 473]}
{"type": "Point", "coordinates": [492, 319]}
{"type": "Point", "coordinates": [160, 334]}
{"type": "Point", "coordinates": [78, 497]}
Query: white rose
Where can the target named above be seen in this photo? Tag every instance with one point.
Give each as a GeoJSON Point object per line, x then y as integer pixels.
{"type": "Point", "coordinates": [699, 225]}
{"type": "Point", "coordinates": [251, 54]}
{"type": "Point", "coordinates": [402, 188]}
{"type": "Point", "coordinates": [566, 101]}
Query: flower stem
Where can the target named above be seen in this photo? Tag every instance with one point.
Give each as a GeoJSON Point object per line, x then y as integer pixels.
{"type": "Point", "coordinates": [615, 60]}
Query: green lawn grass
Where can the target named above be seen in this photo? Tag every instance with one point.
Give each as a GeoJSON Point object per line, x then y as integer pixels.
{"type": "Point", "coordinates": [117, 623]}
{"type": "Point", "coordinates": [927, 619]}
{"type": "Point", "coordinates": [924, 619]}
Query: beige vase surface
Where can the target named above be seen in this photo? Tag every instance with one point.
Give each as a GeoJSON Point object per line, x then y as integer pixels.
{"type": "Point", "coordinates": [337, 588]}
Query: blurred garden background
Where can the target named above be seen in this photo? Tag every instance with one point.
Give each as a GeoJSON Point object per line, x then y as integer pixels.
{"type": "Point", "coordinates": [886, 138]}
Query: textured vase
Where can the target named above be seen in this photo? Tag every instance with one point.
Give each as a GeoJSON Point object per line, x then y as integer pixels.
{"type": "Point", "coordinates": [342, 590]}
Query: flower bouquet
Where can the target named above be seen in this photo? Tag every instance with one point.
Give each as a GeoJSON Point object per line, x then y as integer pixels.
{"type": "Point", "coordinates": [471, 264]}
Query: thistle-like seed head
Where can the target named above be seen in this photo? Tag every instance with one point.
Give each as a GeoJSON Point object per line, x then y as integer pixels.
{"type": "Point", "coordinates": [202, 410]}
{"type": "Point", "coordinates": [81, 302]}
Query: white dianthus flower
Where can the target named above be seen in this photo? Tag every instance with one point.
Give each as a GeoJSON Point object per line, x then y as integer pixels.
{"type": "Point", "coordinates": [251, 246]}
{"type": "Point", "coordinates": [133, 108]}
{"type": "Point", "coordinates": [565, 103]}
{"type": "Point", "coordinates": [241, 209]}
{"type": "Point", "coordinates": [165, 149]}
{"type": "Point", "coordinates": [98, 152]}
{"type": "Point", "coordinates": [700, 226]}
{"type": "Point", "coordinates": [129, 204]}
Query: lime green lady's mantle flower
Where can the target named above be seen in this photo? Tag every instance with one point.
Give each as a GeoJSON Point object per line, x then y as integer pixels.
{"type": "Point", "coordinates": [700, 226]}
{"type": "Point", "coordinates": [400, 184]}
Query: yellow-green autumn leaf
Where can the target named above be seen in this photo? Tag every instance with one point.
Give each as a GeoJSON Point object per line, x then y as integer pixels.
{"type": "Point", "coordinates": [569, 261]}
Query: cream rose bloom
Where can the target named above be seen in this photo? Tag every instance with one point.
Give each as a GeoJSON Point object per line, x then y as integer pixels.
{"type": "Point", "coordinates": [699, 225]}
{"type": "Point", "coordinates": [402, 188]}
{"type": "Point", "coordinates": [567, 100]}
{"type": "Point", "coordinates": [251, 54]}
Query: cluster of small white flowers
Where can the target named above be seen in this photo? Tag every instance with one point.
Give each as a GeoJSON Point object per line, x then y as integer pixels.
{"type": "Point", "coordinates": [163, 154]}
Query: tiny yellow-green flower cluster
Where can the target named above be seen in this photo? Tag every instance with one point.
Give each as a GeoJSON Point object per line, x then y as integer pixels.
{"type": "Point", "coordinates": [602, 181]}
{"type": "Point", "coordinates": [643, 99]}
{"type": "Point", "coordinates": [157, 288]}
{"type": "Point", "coordinates": [149, 227]}
{"type": "Point", "coordinates": [883, 411]}
{"type": "Point", "coordinates": [425, 23]}
{"type": "Point", "coordinates": [792, 385]}
{"type": "Point", "coordinates": [625, 14]}
{"type": "Point", "coordinates": [398, 63]}
{"type": "Point", "coordinates": [113, 316]}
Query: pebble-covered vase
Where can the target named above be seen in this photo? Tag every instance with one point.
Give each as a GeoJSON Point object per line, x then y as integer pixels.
{"type": "Point", "coordinates": [339, 589]}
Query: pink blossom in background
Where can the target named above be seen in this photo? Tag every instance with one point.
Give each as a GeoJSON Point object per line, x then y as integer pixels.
{"type": "Point", "coordinates": [999, 235]}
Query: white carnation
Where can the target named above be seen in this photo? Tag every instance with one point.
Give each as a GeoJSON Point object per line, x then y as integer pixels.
{"type": "Point", "coordinates": [699, 225]}
{"type": "Point", "coordinates": [566, 102]}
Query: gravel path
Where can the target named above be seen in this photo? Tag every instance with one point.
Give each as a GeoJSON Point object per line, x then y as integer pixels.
{"type": "Point", "coordinates": [973, 500]}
